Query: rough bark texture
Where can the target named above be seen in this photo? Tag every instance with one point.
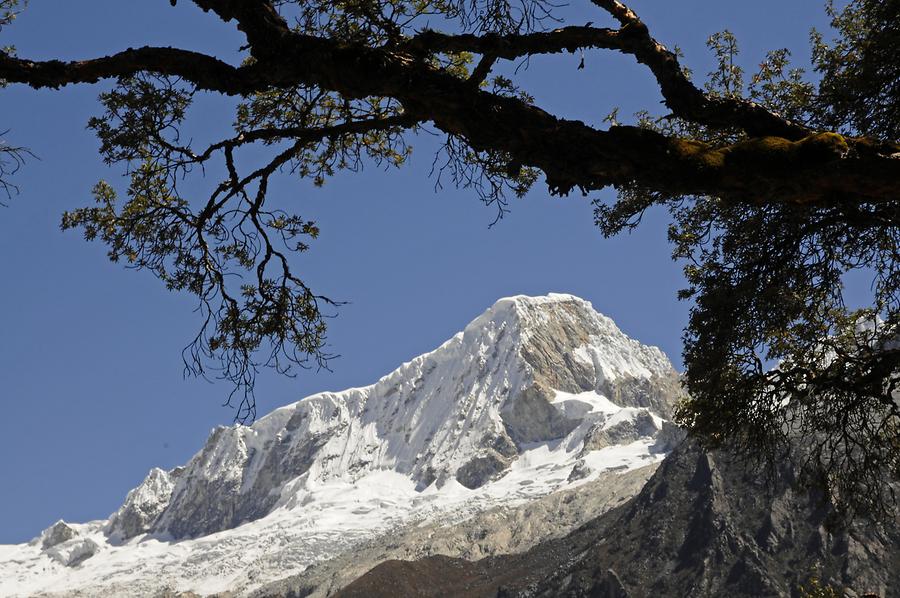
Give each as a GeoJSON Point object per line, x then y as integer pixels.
{"type": "Point", "coordinates": [782, 161]}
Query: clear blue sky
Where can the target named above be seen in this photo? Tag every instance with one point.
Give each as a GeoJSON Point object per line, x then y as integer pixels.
{"type": "Point", "coordinates": [91, 383]}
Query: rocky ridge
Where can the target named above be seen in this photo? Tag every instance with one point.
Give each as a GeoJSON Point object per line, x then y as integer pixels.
{"type": "Point", "coordinates": [463, 411]}
{"type": "Point", "coordinates": [705, 524]}
{"type": "Point", "coordinates": [537, 395]}
{"type": "Point", "coordinates": [497, 531]}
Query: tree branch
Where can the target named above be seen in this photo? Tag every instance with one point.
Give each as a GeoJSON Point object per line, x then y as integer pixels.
{"type": "Point", "coordinates": [682, 96]}
{"type": "Point", "coordinates": [791, 166]}
{"type": "Point", "coordinates": [11, 160]}
{"type": "Point", "coordinates": [301, 137]}
{"type": "Point", "coordinates": [510, 47]}
{"type": "Point", "coordinates": [206, 72]}
{"type": "Point", "coordinates": [258, 19]}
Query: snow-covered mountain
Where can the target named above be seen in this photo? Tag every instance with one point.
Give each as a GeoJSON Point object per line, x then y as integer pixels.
{"type": "Point", "coordinates": [535, 396]}
{"type": "Point", "coordinates": [707, 523]}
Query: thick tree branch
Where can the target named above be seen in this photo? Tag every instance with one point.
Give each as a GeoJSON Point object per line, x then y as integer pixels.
{"type": "Point", "coordinates": [482, 69]}
{"type": "Point", "coordinates": [682, 96]}
{"type": "Point", "coordinates": [793, 166]}
{"type": "Point", "coordinates": [510, 47]}
{"type": "Point", "coordinates": [206, 72]}
{"type": "Point", "coordinates": [258, 19]}
{"type": "Point", "coordinates": [816, 168]}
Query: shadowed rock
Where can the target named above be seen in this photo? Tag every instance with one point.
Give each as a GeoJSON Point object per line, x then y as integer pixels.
{"type": "Point", "coordinates": [482, 469]}
{"type": "Point", "coordinates": [643, 425]}
{"type": "Point", "coordinates": [57, 533]}
{"type": "Point", "coordinates": [143, 505]}
{"type": "Point", "coordinates": [73, 552]}
{"type": "Point", "coordinates": [532, 418]}
{"type": "Point", "coordinates": [508, 362]}
{"type": "Point", "coordinates": [704, 525]}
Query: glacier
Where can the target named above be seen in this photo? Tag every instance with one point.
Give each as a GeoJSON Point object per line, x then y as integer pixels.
{"type": "Point", "coordinates": [536, 396]}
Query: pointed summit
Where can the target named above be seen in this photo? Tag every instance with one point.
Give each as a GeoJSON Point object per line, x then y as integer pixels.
{"type": "Point", "coordinates": [536, 395]}
{"type": "Point", "coordinates": [463, 412]}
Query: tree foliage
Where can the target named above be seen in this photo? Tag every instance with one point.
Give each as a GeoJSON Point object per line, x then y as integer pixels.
{"type": "Point", "coordinates": [860, 89]}
{"type": "Point", "coordinates": [772, 352]}
{"type": "Point", "coordinates": [779, 183]}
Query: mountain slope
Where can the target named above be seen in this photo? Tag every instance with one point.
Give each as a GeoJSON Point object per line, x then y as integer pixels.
{"type": "Point", "coordinates": [536, 395]}
{"type": "Point", "coordinates": [704, 525]}
{"type": "Point", "coordinates": [501, 530]}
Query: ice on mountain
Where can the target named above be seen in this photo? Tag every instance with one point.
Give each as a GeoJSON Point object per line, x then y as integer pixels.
{"type": "Point", "coordinates": [437, 416]}
{"type": "Point", "coordinates": [73, 552]}
{"type": "Point", "coordinates": [143, 505]}
{"type": "Point", "coordinates": [502, 413]}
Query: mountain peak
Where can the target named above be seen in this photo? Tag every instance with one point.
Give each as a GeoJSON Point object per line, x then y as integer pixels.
{"type": "Point", "coordinates": [461, 414]}
{"type": "Point", "coordinates": [536, 300]}
{"type": "Point", "coordinates": [518, 306]}
{"type": "Point", "coordinates": [536, 395]}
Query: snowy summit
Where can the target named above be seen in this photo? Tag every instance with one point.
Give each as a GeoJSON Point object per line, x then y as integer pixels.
{"type": "Point", "coordinates": [537, 395]}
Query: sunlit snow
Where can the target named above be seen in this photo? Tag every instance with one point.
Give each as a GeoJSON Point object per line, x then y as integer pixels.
{"type": "Point", "coordinates": [431, 414]}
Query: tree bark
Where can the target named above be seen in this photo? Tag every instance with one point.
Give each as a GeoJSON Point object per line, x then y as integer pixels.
{"type": "Point", "coordinates": [781, 162]}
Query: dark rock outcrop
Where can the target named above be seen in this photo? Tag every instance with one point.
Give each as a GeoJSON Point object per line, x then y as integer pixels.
{"type": "Point", "coordinates": [704, 525]}
{"type": "Point", "coordinates": [57, 533]}
{"type": "Point", "coordinates": [482, 469]}
{"type": "Point", "coordinates": [531, 417]}
{"type": "Point", "coordinates": [549, 352]}
{"type": "Point", "coordinates": [624, 432]}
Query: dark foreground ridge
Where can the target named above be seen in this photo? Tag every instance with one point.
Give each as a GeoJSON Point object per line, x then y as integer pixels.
{"type": "Point", "coordinates": [704, 525]}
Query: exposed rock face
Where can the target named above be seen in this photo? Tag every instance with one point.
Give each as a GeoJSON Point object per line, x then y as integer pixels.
{"type": "Point", "coordinates": [497, 531]}
{"type": "Point", "coordinates": [234, 479]}
{"type": "Point", "coordinates": [463, 411]}
{"type": "Point", "coordinates": [704, 525]}
{"type": "Point", "coordinates": [499, 415]}
{"type": "Point", "coordinates": [73, 552]}
{"type": "Point", "coordinates": [533, 418]}
{"type": "Point", "coordinates": [564, 354]}
{"type": "Point", "coordinates": [143, 505]}
{"type": "Point", "coordinates": [623, 432]}
{"type": "Point", "coordinates": [669, 437]}
{"type": "Point", "coordinates": [57, 533]}
{"type": "Point", "coordinates": [718, 529]}
{"type": "Point", "coordinates": [657, 392]}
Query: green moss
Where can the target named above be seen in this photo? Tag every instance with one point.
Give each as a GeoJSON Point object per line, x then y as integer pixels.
{"type": "Point", "coordinates": [762, 153]}
{"type": "Point", "coordinates": [824, 144]}
{"type": "Point", "coordinates": [777, 152]}
{"type": "Point", "coordinates": [763, 148]}
{"type": "Point", "coordinates": [699, 153]}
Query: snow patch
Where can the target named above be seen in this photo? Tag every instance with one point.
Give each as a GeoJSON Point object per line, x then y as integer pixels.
{"type": "Point", "coordinates": [338, 468]}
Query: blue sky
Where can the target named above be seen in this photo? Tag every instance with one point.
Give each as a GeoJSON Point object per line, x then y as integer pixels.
{"type": "Point", "coordinates": [90, 370]}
